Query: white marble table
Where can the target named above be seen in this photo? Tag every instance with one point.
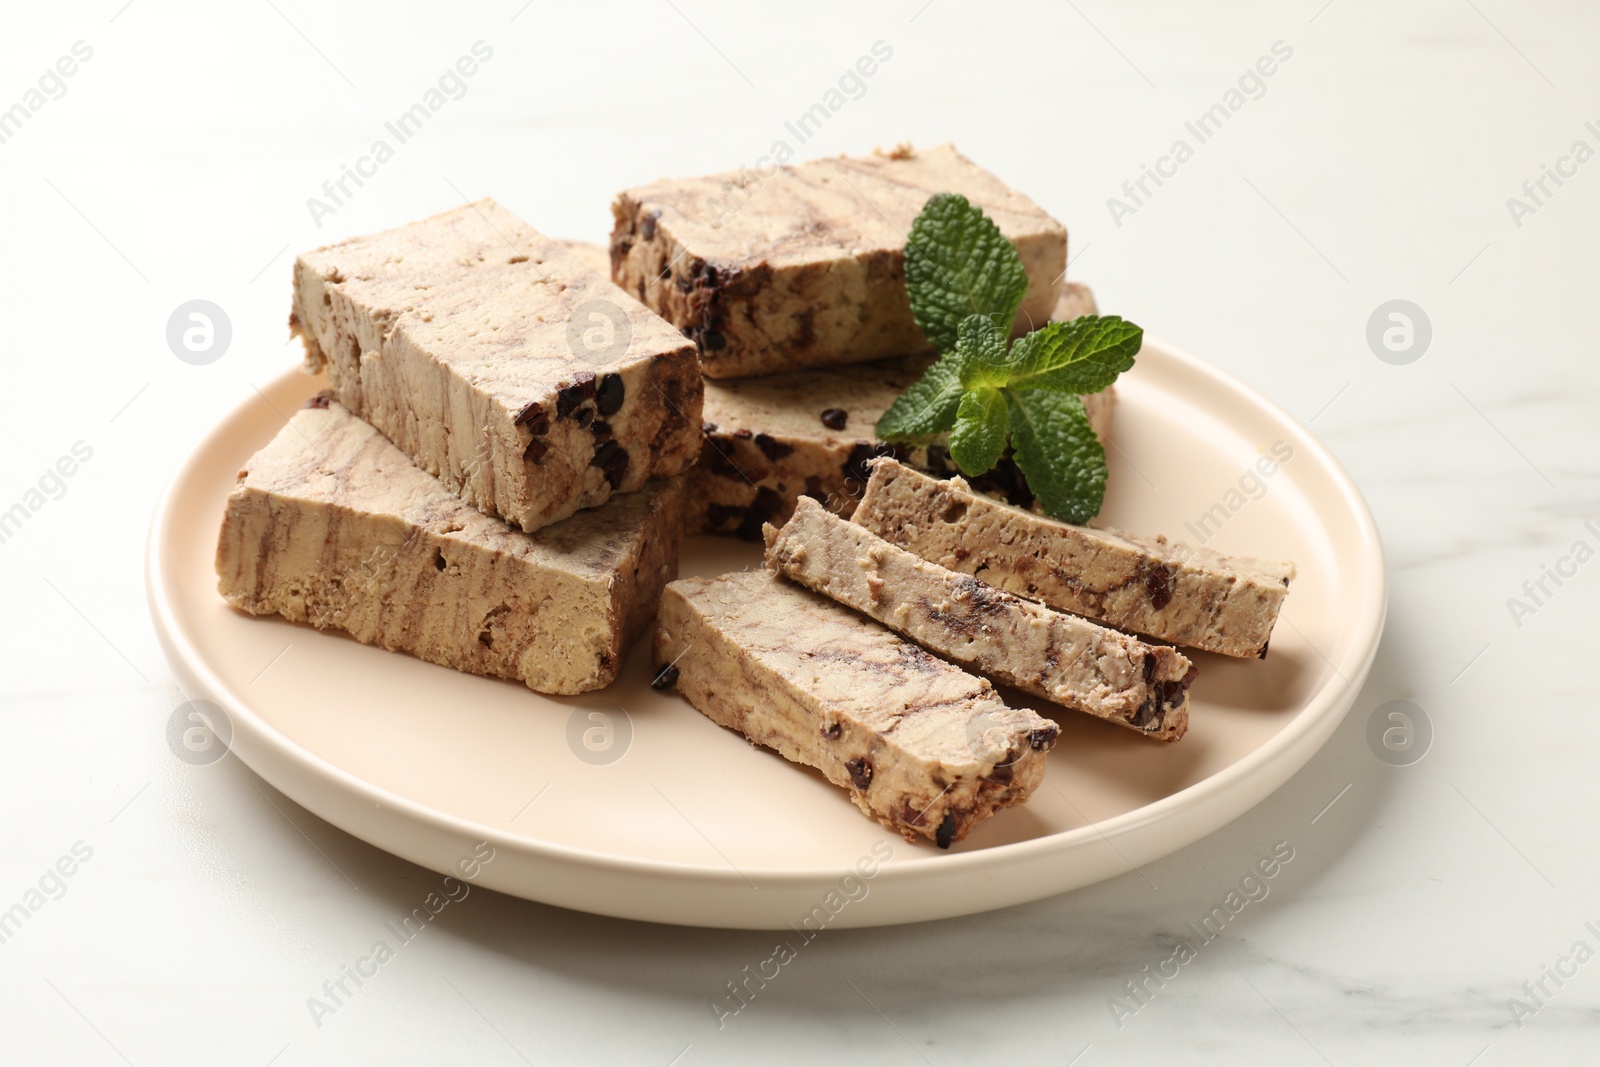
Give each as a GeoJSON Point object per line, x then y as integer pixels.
{"type": "Point", "coordinates": [1374, 164]}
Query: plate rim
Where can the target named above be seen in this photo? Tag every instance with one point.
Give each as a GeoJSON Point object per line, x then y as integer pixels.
{"type": "Point", "coordinates": [1332, 701]}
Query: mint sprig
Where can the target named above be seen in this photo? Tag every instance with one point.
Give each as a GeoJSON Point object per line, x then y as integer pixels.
{"type": "Point", "coordinates": [966, 282]}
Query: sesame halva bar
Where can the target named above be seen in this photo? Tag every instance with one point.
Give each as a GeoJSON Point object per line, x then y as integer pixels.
{"type": "Point", "coordinates": [1064, 658]}
{"type": "Point", "coordinates": [1161, 589]}
{"type": "Point", "coordinates": [331, 524]}
{"type": "Point", "coordinates": [804, 266]}
{"type": "Point", "coordinates": [920, 745]}
{"type": "Point", "coordinates": [500, 362]}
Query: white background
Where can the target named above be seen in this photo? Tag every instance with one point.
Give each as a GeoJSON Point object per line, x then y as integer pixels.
{"type": "Point", "coordinates": [1376, 166]}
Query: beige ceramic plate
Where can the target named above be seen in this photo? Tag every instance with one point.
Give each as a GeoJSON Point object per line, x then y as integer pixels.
{"type": "Point", "coordinates": [627, 802]}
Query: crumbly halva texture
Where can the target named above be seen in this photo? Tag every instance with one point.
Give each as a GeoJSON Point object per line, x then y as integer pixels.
{"type": "Point", "coordinates": [501, 362]}
{"type": "Point", "coordinates": [805, 266]}
{"type": "Point", "coordinates": [770, 441]}
{"type": "Point", "coordinates": [1163, 589]}
{"type": "Point", "coordinates": [595, 257]}
{"type": "Point", "coordinates": [921, 745]}
{"type": "Point", "coordinates": [1063, 658]}
{"type": "Point", "coordinates": [332, 525]}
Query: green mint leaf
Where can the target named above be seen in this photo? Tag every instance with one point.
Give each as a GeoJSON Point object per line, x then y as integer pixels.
{"type": "Point", "coordinates": [980, 353]}
{"type": "Point", "coordinates": [958, 263]}
{"type": "Point", "coordinates": [1081, 356]}
{"type": "Point", "coordinates": [980, 433]}
{"type": "Point", "coordinates": [1059, 453]}
{"type": "Point", "coordinates": [928, 406]}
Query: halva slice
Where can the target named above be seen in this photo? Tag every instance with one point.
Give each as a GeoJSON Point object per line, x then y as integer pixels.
{"type": "Point", "coordinates": [501, 362]}
{"type": "Point", "coordinates": [921, 745]}
{"type": "Point", "coordinates": [1162, 589]}
{"type": "Point", "coordinates": [803, 265]}
{"type": "Point", "coordinates": [1063, 658]}
{"type": "Point", "coordinates": [332, 525]}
